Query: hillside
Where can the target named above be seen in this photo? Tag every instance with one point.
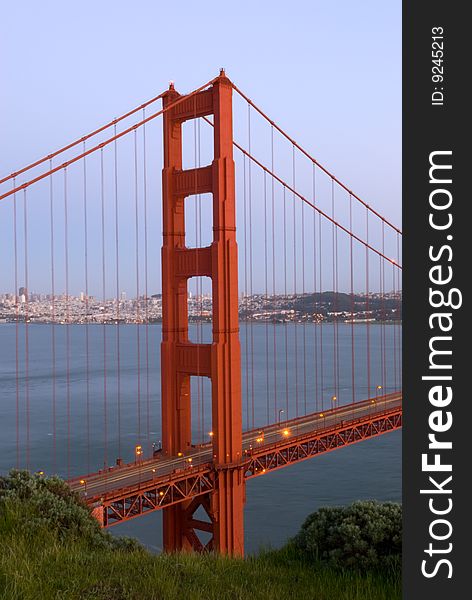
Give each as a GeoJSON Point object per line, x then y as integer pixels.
{"type": "Point", "coordinates": [50, 548]}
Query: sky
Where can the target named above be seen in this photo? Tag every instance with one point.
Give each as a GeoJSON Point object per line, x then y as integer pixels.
{"type": "Point", "coordinates": [328, 72]}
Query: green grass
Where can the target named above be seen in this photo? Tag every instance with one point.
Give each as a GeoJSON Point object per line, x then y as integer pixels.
{"type": "Point", "coordinates": [42, 561]}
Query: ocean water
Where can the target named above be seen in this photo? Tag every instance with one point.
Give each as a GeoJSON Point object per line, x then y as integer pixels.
{"type": "Point", "coordinates": [71, 411]}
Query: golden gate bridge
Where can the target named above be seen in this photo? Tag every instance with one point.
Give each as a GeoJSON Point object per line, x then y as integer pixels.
{"type": "Point", "coordinates": [328, 372]}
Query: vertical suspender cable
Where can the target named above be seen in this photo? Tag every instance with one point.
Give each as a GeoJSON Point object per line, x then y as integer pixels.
{"type": "Point", "coordinates": [146, 299]}
{"type": "Point", "coordinates": [384, 336]}
{"type": "Point", "coordinates": [246, 303]}
{"type": "Point", "coordinates": [382, 329]}
{"type": "Point", "coordinates": [295, 331]}
{"type": "Point", "coordinates": [251, 291]}
{"type": "Point", "coordinates": [351, 266]}
{"type": "Point", "coordinates": [117, 293]}
{"type": "Point", "coordinates": [138, 315]}
{"type": "Point", "coordinates": [266, 303]}
{"type": "Point", "coordinates": [53, 324]}
{"type": "Point", "coordinates": [274, 329]}
{"type": "Point", "coordinates": [27, 396]}
{"type": "Point", "coordinates": [335, 300]}
{"type": "Point", "coordinates": [304, 309]}
{"type": "Point", "coordinates": [66, 264]}
{"type": "Point", "coordinates": [17, 375]}
{"type": "Point", "coordinates": [104, 331]}
{"type": "Point", "coordinates": [286, 300]}
{"type": "Point", "coordinates": [320, 262]}
{"type": "Point", "coordinates": [394, 327]}
{"type": "Point", "coordinates": [337, 307]}
{"type": "Point", "coordinates": [367, 304]}
{"type": "Point", "coordinates": [315, 303]}
{"type": "Point", "coordinates": [86, 299]}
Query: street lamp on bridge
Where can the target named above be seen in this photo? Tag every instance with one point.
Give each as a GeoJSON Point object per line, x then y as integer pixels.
{"type": "Point", "coordinates": [378, 392]}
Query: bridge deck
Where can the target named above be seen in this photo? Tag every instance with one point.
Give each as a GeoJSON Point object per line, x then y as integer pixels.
{"type": "Point", "coordinates": [121, 493]}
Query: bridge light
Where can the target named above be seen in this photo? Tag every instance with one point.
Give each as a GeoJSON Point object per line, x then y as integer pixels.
{"type": "Point", "coordinates": [372, 401]}
{"type": "Point", "coordinates": [377, 391]}
{"type": "Point", "coordinates": [82, 482]}
{"type": "Point", "coordinates": [211, 434]}
{"type": "Point", "coordinates": [285, 432]}
{"type": "Point", "coordinates": [179, 454]}
{"type": "Point", "coordinates": [154, 470]}
{"type": "Point", "coordinates": [138, 450]}
{"type": "Point", "coordinates": [161, 493]}
{"type": "Point", "coordinates": [189, 459]}
{"type": "Point", "coordinates": [321, 414]}
{"type": "Point", "coordinates": [40, 473]}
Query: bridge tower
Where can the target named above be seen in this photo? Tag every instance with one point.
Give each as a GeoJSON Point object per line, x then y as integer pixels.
{"type": "Point", "coordinates": [220, 360]}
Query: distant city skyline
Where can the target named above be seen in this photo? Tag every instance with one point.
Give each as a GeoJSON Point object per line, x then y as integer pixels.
{"type": "Point", "coordinates": [301, 308]}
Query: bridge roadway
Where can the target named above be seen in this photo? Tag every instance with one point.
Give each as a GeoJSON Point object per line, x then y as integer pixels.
{"type": "Point", "coordinates": [145, 471]}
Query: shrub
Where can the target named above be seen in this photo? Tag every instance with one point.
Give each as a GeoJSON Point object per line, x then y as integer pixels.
{"type": "Point", "coordinates": [364, 535]}
{"type": "Point", "coordinates": [49, 502]}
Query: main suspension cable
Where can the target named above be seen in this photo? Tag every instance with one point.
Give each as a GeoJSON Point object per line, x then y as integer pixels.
{"type": "Point", "coordinates": [314, 161]}
{"type": "Point", "coordinates": [104, 143]}
{"type": "Point", "coordinates": [83, 139]}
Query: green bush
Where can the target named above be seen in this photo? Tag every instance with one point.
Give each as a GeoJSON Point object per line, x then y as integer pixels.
{"type": "Point", "coordinates": [364, 535]}
{"type": "Point", "coordinates": [49, 502]}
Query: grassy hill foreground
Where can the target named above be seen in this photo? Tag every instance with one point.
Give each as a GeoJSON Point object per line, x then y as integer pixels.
{"type": "Point", "coordinates": [51, 548]}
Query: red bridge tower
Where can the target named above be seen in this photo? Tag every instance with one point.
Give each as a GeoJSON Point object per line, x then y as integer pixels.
{"type": "Point", "coordinates": [220, 360]}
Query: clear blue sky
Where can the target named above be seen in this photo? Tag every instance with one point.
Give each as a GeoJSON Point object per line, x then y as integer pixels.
{"type": "Point", "coordinates": [328, 72]}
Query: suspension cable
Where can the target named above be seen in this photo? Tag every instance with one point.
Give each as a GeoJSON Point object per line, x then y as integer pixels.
{"type": "Point", "coordinates": [295, 330]}
{"type": "Point", "coordinates": [251, 291]}
{"type": "Point", "coordinates": [86, 299]}
{"type": "Point", "coordinates": [66, 264]}
{"type": "Point", "coordinates": [146, 300]}
{"type": "Point", "coordinates": [138, 316]}
{"type": "Point", "coordinates": [83, 139]}
{"type": "Point", "coordinates": [27, 394]}
{"type": "Point", "coordinates": [105, 142]}
{"type": "Point", "coordinates": [117, 291]}
{"type": "Point", "coordinates": [17, 374]}
{"type": "Point", "coordinates": [289, 188]}
{"type": "Point", "coordinates": [314, 161]}
{"type": "Point", "coordinates": [53, 328]}
{"type": "Point", "coordinates": [274, 328]}
{"type": "Point", "coordinates": [104, 327]}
